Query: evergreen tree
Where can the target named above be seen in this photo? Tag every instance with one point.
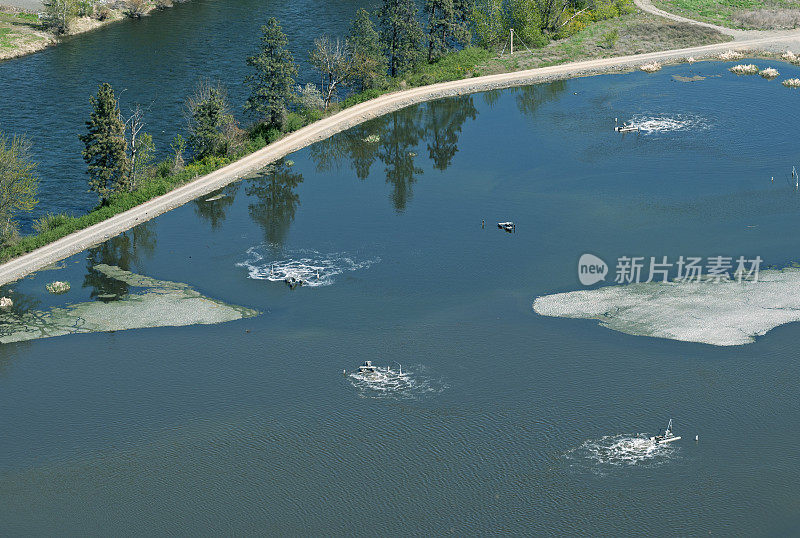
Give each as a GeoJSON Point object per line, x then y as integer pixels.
{"type": "Point", "coordinates": [106, 149]}
{"type": "Point", "coordinates": [366, 45]}
{"type": "Point", "coordinates": [272, 83]}
{"type": "Point", "coordinates": [448, 26]}
{"type": "Point", "coordinates": [401, 35]}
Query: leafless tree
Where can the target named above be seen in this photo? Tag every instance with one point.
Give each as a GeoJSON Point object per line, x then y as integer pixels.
{"type": "Point", "coordinates": [335, 62]}
{"type": "Point", "coordinates": [140, 144]}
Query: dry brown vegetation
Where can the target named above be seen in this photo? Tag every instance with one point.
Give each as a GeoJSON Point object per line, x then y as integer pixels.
{"type": "Point", "coordinates": [768, 19]}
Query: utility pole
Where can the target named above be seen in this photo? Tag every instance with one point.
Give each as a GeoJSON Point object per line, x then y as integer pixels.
{"type": "Point", "coordinates": [512, 41]}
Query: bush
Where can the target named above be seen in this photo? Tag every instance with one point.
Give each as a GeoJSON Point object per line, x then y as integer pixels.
{"type": "Point", "coordinates": [609, 39]}
{"type": "Point", "coordinates": [50, 221]}
{"type": "Point", "coordinates": [58, 15]}
{"type": "Point", "coordinates": [102, 13]}
{"type": "Point", "coordinates": [294, 121]}
{"type": "Point", "coordinates": [309, 97]}
{"type": "Point", "coordinates": [135, 9]}
{"type": "Point", "coordinates": [84, 8]}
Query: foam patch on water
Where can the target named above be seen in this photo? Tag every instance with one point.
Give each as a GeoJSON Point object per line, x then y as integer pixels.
{"type": "Point", "coordinates": [390, 383]}
{"type": "Point", "coordinates": [313, 268]}
{"type": "Point", "coordinates": [617, 451]}
{"type": "Point", "coordinates": [668, 123]}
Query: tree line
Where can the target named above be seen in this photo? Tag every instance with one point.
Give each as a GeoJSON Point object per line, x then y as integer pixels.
{"type": "Point", "coordinates": [379, 49]}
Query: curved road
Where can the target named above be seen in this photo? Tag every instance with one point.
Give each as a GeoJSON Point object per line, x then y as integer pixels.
{"type": "Point", "coordinates": [83, 239]}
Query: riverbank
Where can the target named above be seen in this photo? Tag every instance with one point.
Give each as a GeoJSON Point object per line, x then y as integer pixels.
{"type": "Point", "coordinates": [21, 32]}
{"type": "Point", "coordinates": [350, 117]}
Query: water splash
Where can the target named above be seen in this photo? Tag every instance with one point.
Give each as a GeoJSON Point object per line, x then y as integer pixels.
{"type": "Point", "coordinates": [391, 383]}
{"type": "Point", "coordinates": [668, 123]}
{"type": "Point", "coordinates": [311, 267]}
{"type": "Point", "coordinates": [622, 450]}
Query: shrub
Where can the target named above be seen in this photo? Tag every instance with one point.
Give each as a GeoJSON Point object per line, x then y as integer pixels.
{"type": "Point", "coordinates": [58, 287]}
{"type": "Point", "coordinates": [294, 121]}
{"type": "Point", "coordinates": [135, 8]}
{"type": "Point", "coordinates": [769, 73]}
{"type": "Point", "coordinates": [102, 13]}
{"type": "Point", "coordinates": [50, 221]}
{"type": "Point", "coordinates": [744, 69]}
{"type": "Point", "coordinates": [609, 39]}
{"type": "Point", "coordinates": [309, 97]}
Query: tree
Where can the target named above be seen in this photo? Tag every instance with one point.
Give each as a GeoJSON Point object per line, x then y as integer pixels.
{"type": "Point", "coordinates": [489, 21]}
{"type": "Point", "coordinates": [106, 149]}
{"type": "Point", "coordinates": [141, 146]}
{"type": "Point", "coordinates": [494, 19]}
{"type": "Point", "coordinates": [59, 14]}
{"type": "Point", "coordinates": [272, 83]}
{"type": "Point", "coordinates": [178, 146]}
{"type": "Point", "coordinates": [336, 64]}
{"type": "Point", "coordinates": [209, 120]}
{"type": "Point", "coordinates": [369, 59]}
{"type": "Point", "coordinates": [550, 13]}
{"type": "Point", "coordinates": [448, 26]}
{"type": "Point", "coordinates": [18, 183]}
{"type": "Point", "coordinates": [401, 35]}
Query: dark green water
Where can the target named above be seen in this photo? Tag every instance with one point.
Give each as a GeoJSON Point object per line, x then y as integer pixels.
{"type": "Point", "coordinates": [510, 419]}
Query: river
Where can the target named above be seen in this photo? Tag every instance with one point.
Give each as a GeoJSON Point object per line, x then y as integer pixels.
{"type": "Point", "coordinates": [156, 62]}
{"type": "Point", "coordinates": [503, 421]}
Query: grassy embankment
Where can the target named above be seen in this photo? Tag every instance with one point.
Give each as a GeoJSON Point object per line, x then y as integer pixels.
{"type": "Point", "coordinates": [634, 33]}
{"type": "Point", "coordinates": [742, 14]}
{"type": "Point", "coordinates": [22, 33]}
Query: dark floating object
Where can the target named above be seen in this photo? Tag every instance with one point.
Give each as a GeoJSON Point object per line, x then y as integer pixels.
{"type": "Point", "coordinates": [293, 282]}
{"type": "Point", "coordinates": [507, 226]}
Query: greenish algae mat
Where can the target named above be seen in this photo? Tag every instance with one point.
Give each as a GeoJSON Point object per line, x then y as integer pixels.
{"type": "Point", "coordinates": [161, 304]}
{"type": "Point", "coordinates": [722, 314]}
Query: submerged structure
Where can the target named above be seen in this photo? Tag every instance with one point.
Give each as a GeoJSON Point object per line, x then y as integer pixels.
{"type": "Point", "coordinates": [161, 304]}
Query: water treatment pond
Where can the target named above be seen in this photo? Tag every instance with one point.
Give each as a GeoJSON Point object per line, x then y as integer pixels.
{"type": "Point", "coordinates": [503, 420]}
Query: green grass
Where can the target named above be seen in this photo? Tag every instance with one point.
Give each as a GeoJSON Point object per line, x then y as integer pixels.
{"type": "Point", "coordinates": [721, 12]}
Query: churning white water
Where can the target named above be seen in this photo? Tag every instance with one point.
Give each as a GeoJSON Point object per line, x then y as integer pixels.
{"type": "Point", "coordinates": [396, 383]}
{"type": "Point", "coordinates": [665, 123]}
{"type": "Point", "coordinates": [622, 450]}
{"type": "Point", "coordinates": [310, 267]}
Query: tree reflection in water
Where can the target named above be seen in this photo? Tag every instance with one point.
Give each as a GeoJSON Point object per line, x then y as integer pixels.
{"type": "Point", "coordinates": [394, 138]}
{"type": "Point", "coordinates": [530, 97]}
{"type": "Point", "coordinates": [276, 201]}
{"type": "Point", "coordinates": [443, 122]}
{"type": "Point", "coordinates": [123, 251]}
{"type": "Point", "coordinates": [214, 211]}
